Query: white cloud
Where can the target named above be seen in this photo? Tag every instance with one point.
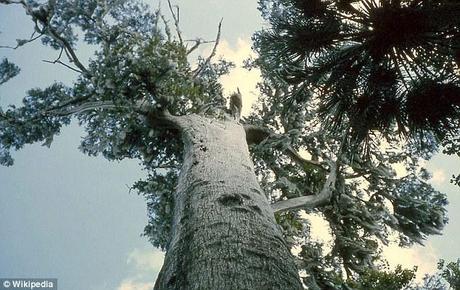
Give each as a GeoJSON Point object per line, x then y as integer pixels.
{"type": "Point", "coordinates": [439, 176]}
{"type": "Point", "coordinates": [424, 257]}
{"type": "Point", "coordinates": [146, 260]}
{"type": "Point", "coordinates": [135, 285]}
{"type": "Point", "coordinates": [146, 264]}
{"type": "Point", "coordinates": [319, 228]}
{"type": "Point", "coordinates": [239, 77]}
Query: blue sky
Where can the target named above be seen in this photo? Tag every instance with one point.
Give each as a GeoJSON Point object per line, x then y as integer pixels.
{"type": "Point", "coordinates": [69, 216]}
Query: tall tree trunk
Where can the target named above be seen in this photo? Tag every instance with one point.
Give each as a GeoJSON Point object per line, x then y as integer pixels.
{"type": "Point", "coordinates": [224, 234]}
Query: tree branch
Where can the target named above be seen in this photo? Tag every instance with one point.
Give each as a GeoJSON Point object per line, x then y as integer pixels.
{"type": "Point", "coordinates": [21, 42]}
{"type": "Point", "coordinates": [310, 201]}
{"type": "Point", "coordinates": [197, 44]}
{"type": "Point", "coordinates": [82, 108]}
{"type": "Point", "coordinates": [163, 119]}
{"type": "Point", "coordinates": [176, 17]}
{"type": "Point", "coordinates": [257, 134]}
{"type": "Point", "coordinates": [61, 63]}
{"type": "Point", "coordinates": [37, 17]}
{"type": "Point", "coordinates": [213, 52]}
{"type": "Point", "coordinates": [68, 48]}
{"type": "Point", "coordinates": [11, 2]}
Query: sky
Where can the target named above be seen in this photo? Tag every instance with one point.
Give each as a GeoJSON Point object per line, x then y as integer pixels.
{"type": "Point", "coordinates": [68, 216]}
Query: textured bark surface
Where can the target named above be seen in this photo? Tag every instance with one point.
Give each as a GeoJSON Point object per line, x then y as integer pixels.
{"type": "Point", "coordinates": [224, 232]}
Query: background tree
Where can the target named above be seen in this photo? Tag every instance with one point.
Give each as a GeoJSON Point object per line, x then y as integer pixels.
{"type": "Point", "coordinates": [447, 277]}
{"type": "Point", "coordinates": [138, 94]}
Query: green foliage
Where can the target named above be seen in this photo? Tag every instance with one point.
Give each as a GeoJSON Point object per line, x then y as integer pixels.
{"type": "Point", "coordinates": [30, 123]}
{"type": "Point", "coordinates": [157, 190]}
{"type": "Point", "coordinates": [419, 214]}
{"type": "Point", "coordinates": [369, 204]}
{"type": "Point", "coordinates": [137, 65]}
{"type": "Point", "coordinates": [8, 70]}
{"type": "Point", "coordinates": [384, 280]}
{"type": "Point", "coordinates": [447, 277]}
{"type": "Point", "coordinates": [293, 226]}
{"type": "Point", "coordinates": [451, 273]}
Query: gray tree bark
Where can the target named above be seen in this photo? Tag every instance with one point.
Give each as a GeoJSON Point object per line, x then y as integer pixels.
{"type": "Point", "coordinates": [224, 234]}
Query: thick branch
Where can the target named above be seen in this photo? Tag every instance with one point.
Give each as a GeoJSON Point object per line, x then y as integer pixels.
{"type": "Point", "coordinates": [256, 134]}
{"type": "Point", "coordinates": [311, 201]}
{"type": "Point", "coordinates": [163, 119]}
{"type": "Point", "coordinates": [82, 108]}
{"type": "Point", "coordinates": [156, 117]}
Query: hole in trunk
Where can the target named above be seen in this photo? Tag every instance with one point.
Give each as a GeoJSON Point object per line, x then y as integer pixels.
{"type": "Point", "coordinates": [230, 200]}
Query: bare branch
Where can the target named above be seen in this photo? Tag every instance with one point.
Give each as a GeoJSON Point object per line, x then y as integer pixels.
{"type": "Point", "coordinates": [310, 201]}
{"type": "Point", "coordinates": [167, 30]}
{"type": "Point", "coordinates": [68, 49]}
{"type": "Point", "coordinates": [291, 152]}
{"type": "Point", "coordinates": [213, 52]}
{"type": "Point", "coordinates": [197, 44]}
{"type": "Point", "coordinates": [176, 17]}
{"type": "Point", "coordinates": [61, 63]}
{"type": "Point", "coordinates": [58, 61]}
{"type": "Point", "coordinates": [23, 42]}
{"type": "Point", "coordinates": [11, 2]}
{"type": "Point", "coordinates": [63, 110]}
